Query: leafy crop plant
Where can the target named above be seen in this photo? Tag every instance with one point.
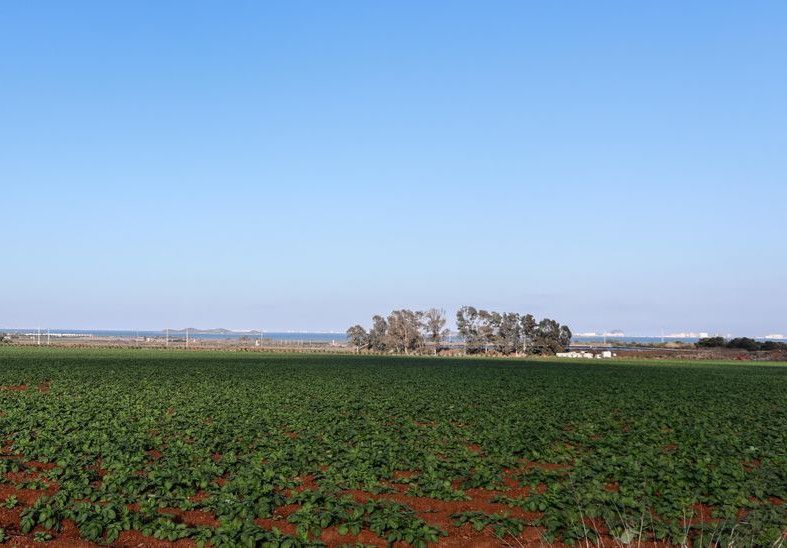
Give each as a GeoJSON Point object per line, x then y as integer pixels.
{"type": "Point", "coordinates": [129, 447]}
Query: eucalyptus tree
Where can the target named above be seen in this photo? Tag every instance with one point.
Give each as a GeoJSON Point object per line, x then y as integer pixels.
{"type": "Point", "coordinates": [404, 330]}
{"type": "Point", "coordinates": [489, 328]}
{"type": "Point", "coordinates": [434, 325]}
{"type": "Point", "coordinates": [565, 337]}
{"type": "Point", "coordinates": [358, 337]}
{"type": "Point", "coordinates": [378, 334]}
{"type": "Point", "coordinates": [509, 333]}
{"type": "Point", "coordinates": [468, 325]}
{"type": "Point", "coordinates": [529, 326]}
{"type": "Point", "coordinates": [550, 337]}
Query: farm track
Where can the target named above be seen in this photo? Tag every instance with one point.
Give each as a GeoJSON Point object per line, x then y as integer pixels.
{"type": "Point", "coordinates": [162, 448]}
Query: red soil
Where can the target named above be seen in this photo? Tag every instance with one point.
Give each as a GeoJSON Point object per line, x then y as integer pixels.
{"type": "Point", "coordinates": [57, 540]}
{"type": "Point", "coordinates": [751, 464]}
{"type": "Point", "coordinates": [199, 496]}
{"type": "Point", "coordinates": [287, 510]}
{"type": "Point", "coordinates": [129, 539]}
{"type": "Point", "coordinates": [69, 536]}
{"type": "Point", "coordinates": [10, 517]}
{"type": "Point", "coordinates": [528, 464]}
{"type": "Point", "coordinates": [25, 496]}
{"type": "Point", "coordinates": [306, 482]}
{"type": "Point", "coordinates": [196, 518]}
{"type": "Point", "coordinates": [38, 465]}
{"type": "Point", "coordinates": [332, 538]}
{"type": "Point", "coordinates": [404, 474]}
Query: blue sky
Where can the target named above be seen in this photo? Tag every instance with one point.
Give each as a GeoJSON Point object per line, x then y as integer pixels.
{"type": "Point", "coordinates": [303, 165]}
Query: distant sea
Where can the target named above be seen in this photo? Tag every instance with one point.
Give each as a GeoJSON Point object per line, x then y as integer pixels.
{"type": "Point", "coordinates": [644, 340]}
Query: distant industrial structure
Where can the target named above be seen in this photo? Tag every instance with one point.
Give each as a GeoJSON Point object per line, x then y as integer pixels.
{"type": "Point", "coordinates": [689, 335]}
{"type": "Point", "coordinates": [587, 355]}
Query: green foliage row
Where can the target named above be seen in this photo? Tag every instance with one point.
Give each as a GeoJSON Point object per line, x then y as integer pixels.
{"type": "Point", "coordinates": [741, 343]}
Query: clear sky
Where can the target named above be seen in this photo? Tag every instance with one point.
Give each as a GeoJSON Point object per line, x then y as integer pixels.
{"type": "Point", "coordinates": [303, 165]}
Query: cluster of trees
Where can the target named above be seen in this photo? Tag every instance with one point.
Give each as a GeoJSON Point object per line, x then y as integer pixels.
{"type": "Point", "coordinates": [407, 331]}
{"type": "Point", "coordinates": [740, 343]}
{"type": "Point", "coordinates": [403, 331]}
{"type": "Point", "coordinates": [510, 332]}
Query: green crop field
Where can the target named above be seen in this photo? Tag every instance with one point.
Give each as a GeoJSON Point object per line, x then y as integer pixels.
{"type": "Point", "coordinates": [136, 447]}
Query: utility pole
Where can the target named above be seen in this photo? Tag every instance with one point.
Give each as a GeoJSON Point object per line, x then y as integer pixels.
{"type": "Point", "coordinates": [38, 337]}
{"type": "Point", "coordinates": [47, 337]}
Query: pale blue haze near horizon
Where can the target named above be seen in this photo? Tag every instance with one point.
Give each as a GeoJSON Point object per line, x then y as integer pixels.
{"type": "Point", "coordinates": [304, 165]}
